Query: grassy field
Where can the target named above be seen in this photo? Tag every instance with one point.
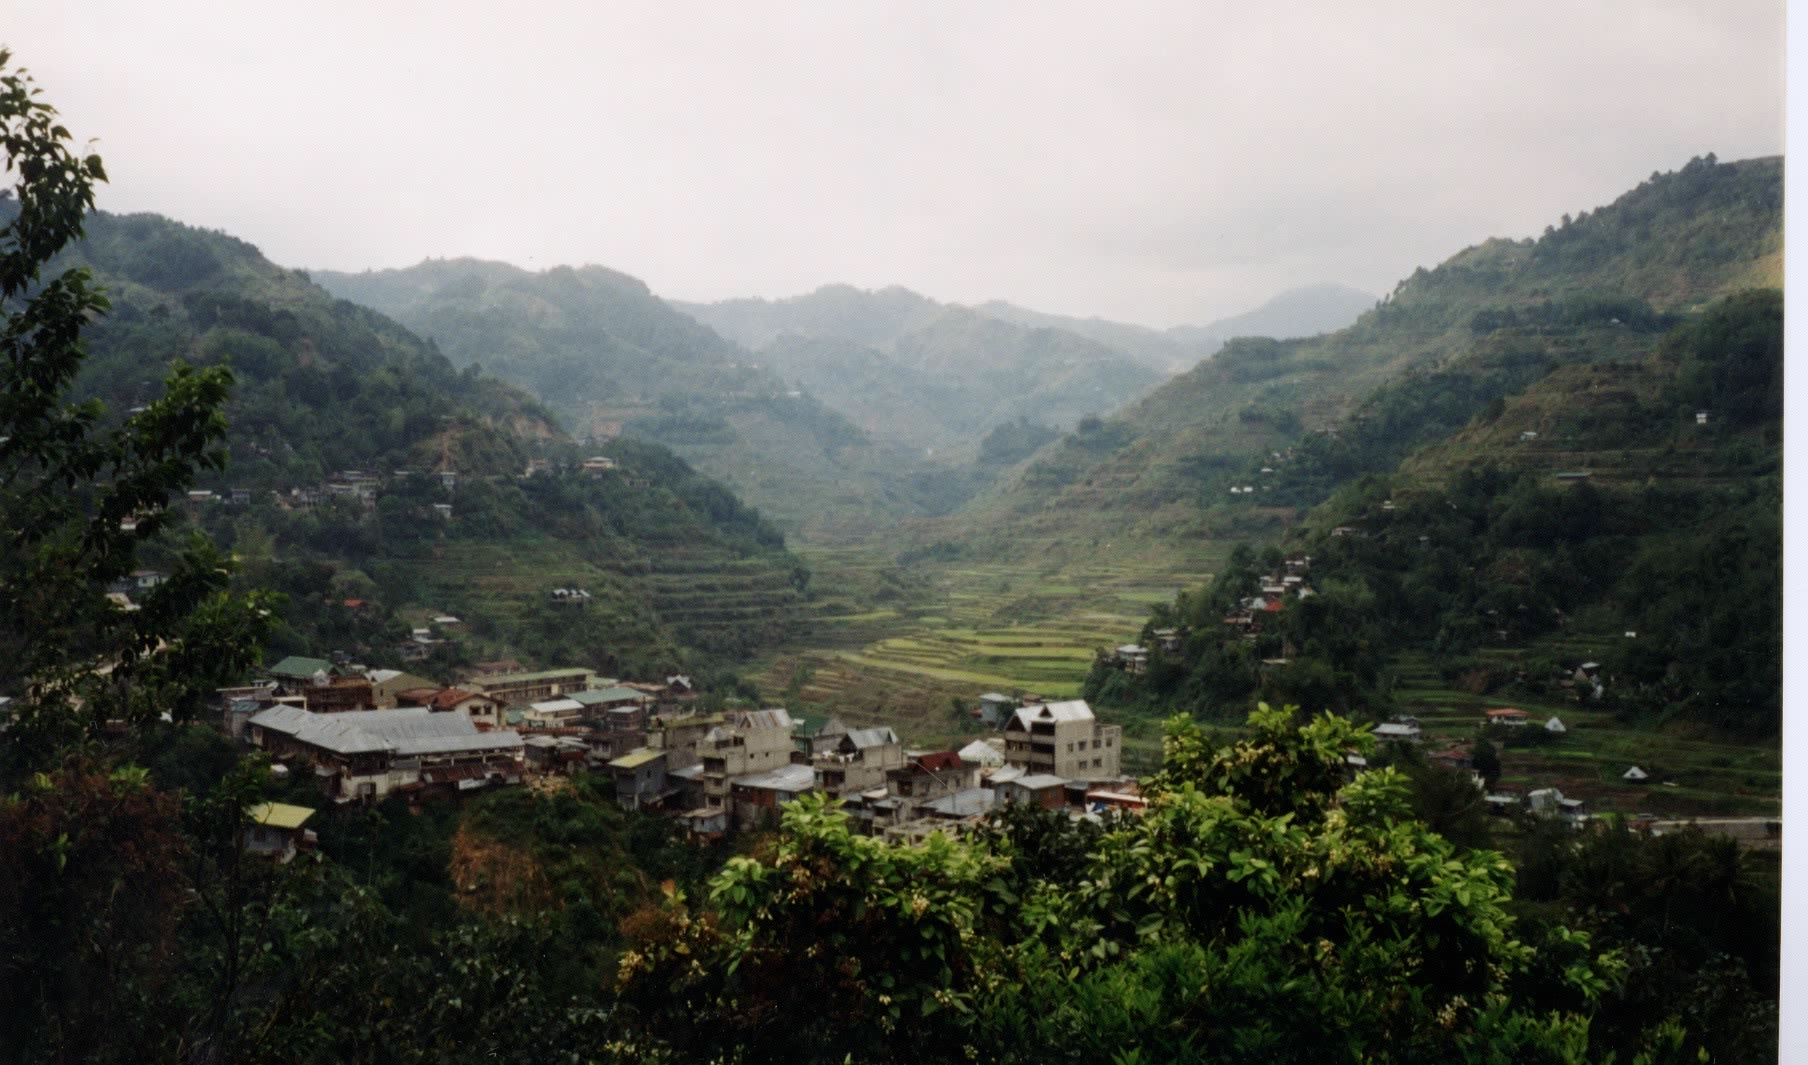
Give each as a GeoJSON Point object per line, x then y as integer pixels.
{"type": "Point", "coordinates": [901, 644]}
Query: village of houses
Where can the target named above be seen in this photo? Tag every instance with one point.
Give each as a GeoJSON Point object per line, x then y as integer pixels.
{"type": "Point", "coordinates": [366, 735]}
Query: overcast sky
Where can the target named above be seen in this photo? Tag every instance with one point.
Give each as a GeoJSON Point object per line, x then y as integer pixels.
{"type": "Point", "coordinates": [1162, 163]}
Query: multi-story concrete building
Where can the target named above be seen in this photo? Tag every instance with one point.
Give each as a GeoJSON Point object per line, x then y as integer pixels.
{"type": "Point", "coordinates": [517, 689]}
{"type": "Point", "coordinates": [747, 741]}
{"type": "Point", "coordinates": [1064, 739]}
{"type": "Point", "coordinates": [859, 761]}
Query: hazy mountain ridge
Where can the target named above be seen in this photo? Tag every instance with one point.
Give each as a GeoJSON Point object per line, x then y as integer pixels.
{"type": "Point", "coordinates": [607, 356]}
{"type": "Point", "coordinates": [1298, 312]}
{"type": "Point", "coordinates": [957, 372]}
{"type": "Point", "coordinates": [1672, 243]}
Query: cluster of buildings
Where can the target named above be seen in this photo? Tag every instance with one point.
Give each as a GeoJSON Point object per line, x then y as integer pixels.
{"type": "Point", "coordinates": [734, 770]}
{"type": "Point", "coordinates": [367, 735]}
{"type": "Point", "coordinates": [1273, 590]}
{"type": "Point", "coordinates": [364, 486]}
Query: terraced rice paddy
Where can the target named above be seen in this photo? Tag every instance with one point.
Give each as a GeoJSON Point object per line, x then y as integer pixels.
{"type": "Point", "coordinates": [947, 632]}
{"type": "Point", "coordinates": [958, 630]}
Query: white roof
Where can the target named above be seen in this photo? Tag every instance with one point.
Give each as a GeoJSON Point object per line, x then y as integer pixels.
{"type": "Point", "coordinates": [383, 676]}
{"type": "Point", "coordinates": [871, 737]}
{"type": "Point", "coordinates": [557, 706]}
{"type": "Point", "coordinates": [979, 752]}
{"type": "Point", "coordinates": [968, 803]}
{"type": "Point", "coordinates": [1037, 781]}
{"type": "Point", "coordinates": [1072, 710]}
{"type": "Point", "coordinates": [792, 778]}
{"type": "Point", "coordinates": [1005, 774]}
{"type": "Point", "coordinates": [1635, 773]}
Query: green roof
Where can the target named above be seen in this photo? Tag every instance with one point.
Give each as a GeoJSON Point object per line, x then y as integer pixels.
{"type": "Point", "coordinates": [519, 678]}
{"type": "Point", "coordinates": [300, 668]}
{"type": "Point", "coordinates": [279, 815]}
{"type": "Point", "coordinates": [636, 758]}
{"type": "Point", "coordinates": [608, 695]}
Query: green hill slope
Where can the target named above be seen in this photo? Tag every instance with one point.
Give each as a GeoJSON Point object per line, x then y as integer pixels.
{"type": "Point", "coordinates": [1621, 519]}
{"type": "Point", "coordinates": [1448, 341]}
{"type": "Point", "coordinates": [365, 467]}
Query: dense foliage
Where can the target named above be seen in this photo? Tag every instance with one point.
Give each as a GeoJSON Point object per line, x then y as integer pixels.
{"type": "Point", "coordinates": [1261, 908]}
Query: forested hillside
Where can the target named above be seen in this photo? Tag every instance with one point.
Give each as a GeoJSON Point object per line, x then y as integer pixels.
{"type": "Point", "coordinates": [1441, 348]}
{"type": "Point", "coordinates": [345, 432]}
{"type": "Point", "coordinates": [607, 356]}
{"type": "Point", "coordinates": [1635, 503]}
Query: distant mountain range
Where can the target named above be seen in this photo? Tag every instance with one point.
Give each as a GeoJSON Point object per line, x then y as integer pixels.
{"type": "Point", "coordinates": [1487, 323]}
{"type": "Point", "coordinates": [836, 407]}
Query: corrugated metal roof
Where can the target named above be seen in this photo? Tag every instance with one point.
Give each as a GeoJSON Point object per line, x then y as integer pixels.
{"type": "Point", "coordinates": [279, 815]}
{"type": "Point", "coordinates": [871, 737]}
{"type": "Point", "coordinates": [979, 752]}
{"type": "Point", "coordinates": [405, 731]}
{"type": "Point", "coordinates": [499, 680]}
{"type": "Point", "coordinates": [751, 719]}
{"type": "Point", "coordinates": [968, 803]}
{"type": "Point", "coordinates": [636, 758]}
{"type": "Point", "coordinates": [297, 666]}
{"type": "Point", "coordinates": [609, 695]}
{"type": "Point", "coordinates": [1071, 710]}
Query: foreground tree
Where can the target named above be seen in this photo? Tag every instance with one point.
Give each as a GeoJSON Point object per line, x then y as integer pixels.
{"type": "Point", "coordinates": [1261, 909]}
{"type": "Point", "coordinates": [80, 492]}
{"type": "Point", "coordinates": [97, 900]}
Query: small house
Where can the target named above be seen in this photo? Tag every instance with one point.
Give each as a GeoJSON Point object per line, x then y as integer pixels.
{"type": "Point", "coordinates": [640, 778]}
{"type": "Point", "coordinates": [1038, 789]}
{"type": "Point", "coordinates": [275, 829]}
{"type": "Point", "coordinates": [1397, 732]}
{"type": "Point", "coordinates": [1131, 658]}
{"type": "Point", "coordinates": [755, 798]}
{"type": "Point", "coordinates": [552, 713]}
{"type": "Point", "coordinates": [995, 709]}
